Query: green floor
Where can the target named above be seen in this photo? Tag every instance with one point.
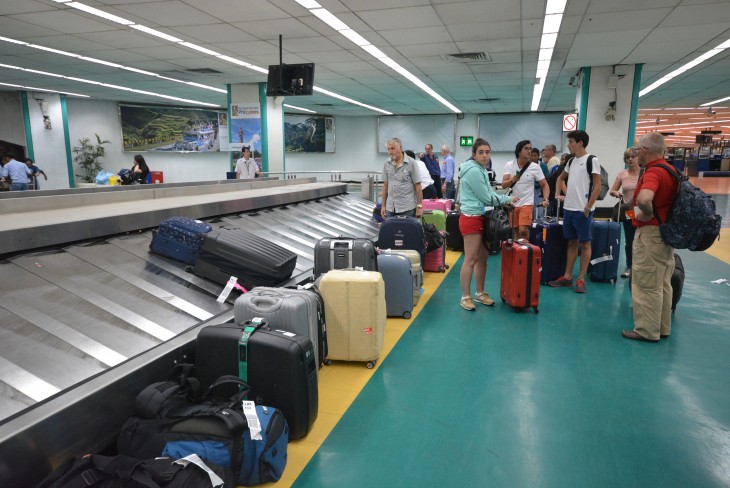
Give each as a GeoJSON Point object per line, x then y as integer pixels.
{"type": "Point", "coordinates": [558, 399]}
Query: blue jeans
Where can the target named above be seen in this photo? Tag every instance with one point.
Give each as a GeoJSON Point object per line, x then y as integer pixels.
{"type": "Point", "coordinates": [18, 186]}
{"type": "Point", "coordinates": [407, 213]}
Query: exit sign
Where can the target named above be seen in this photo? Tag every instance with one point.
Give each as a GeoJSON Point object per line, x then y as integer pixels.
{"type": "Point", "coordinates": [466, 141]}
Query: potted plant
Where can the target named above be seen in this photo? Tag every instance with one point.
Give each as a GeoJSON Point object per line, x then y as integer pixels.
{"type": "Point", "coordinates": [88, 157]}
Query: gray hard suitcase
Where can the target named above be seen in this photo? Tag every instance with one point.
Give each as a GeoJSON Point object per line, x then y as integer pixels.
{"type": "Point", "coordinates": [298, 311]}
{"type": "Point", "coordinates": [396, 271]}
{"type": "Point", "coordinates": [344, 253]}
{"type": "Point", "coordinates": [416, 269]}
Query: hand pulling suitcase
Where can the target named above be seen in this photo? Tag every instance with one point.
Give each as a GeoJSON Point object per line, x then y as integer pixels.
{"type": "Point", "coordinates": [443, 204]}
{"type": "Point", "coordinates": [279, 366]}
{"type": "Point", "coordinates": [396, 272]}
{"type": "Point", "coordinates": [343, 253]}
{"type": "Point", "coordinates": [402, 233]}
{"type": "Point", "coordinates": [354, 303]}
{"type": "Point", "coordinates": [416, 270]}
{"type": "Point", "coordinates": [520, 274]}
{"type": "Point", "coordinates": [179, 238]}
{"type": "Point", "coordinates": [293, 310]}
{"type": "Point", "coordinates": [547, 234]}
{"type": "Point", "coordinates": [254, 261]}
{"type": "Point", "coordinates": [454, 239]}
{"type": "Point", "coordinates": [435, 217]}
{"type": "Point", "coordinates": [605, 250]}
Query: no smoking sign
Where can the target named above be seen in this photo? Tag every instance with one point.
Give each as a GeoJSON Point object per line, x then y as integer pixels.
{"type": "Point", "coordinates": [570, 122]}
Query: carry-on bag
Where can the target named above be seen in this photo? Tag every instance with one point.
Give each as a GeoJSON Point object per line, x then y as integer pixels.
{"type": "Point", "coordinates": [293, 310]}
{"type": "Point", "coordinates": [547, 234]}
{"type": "Point", "coordinates": [402, 233]}
{"type": "Point", "coordinates": [605, 250]}
{"type": "Point", "coordinates": [454, 239]}
{"type": "Point", "coordinates": [343, 253]}
{"type": "Point", "coordinates": [179, 238]}
{"type": "Point", "coordinates": [279, 366]}
{"type": "Point", "coordinates": [443, 204]}
{"type": "Point", "coordinates": [416, 270]}
{"type": "Point", "coordinates": [435, 217]}
{"type": "Point", "coordinates": [436, 259]}
{"type": "Point", "coordinates": [396, 272]}
{"type": "Point", "coordinates": [520, 274]}
{"type": "Point", "coordinates": [230, 251]}
{"type": "Point", "coordinates": [355, 308]}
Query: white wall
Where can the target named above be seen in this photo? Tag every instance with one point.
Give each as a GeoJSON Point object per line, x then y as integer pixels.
{"type": "Point", "coordinates": [49, 146]}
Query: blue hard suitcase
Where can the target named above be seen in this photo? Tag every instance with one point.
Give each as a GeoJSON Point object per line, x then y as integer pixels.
{"type": "Point", "coordinates": [396, 271]}
{"type": "Point", "coordinates": [547, 234]}
{"type": "Point", "coordinates": [605, 251]}
{"type": "Point", "coordinates": [402, 233]}
{"type": "Point", "coordinates": [179, 238]}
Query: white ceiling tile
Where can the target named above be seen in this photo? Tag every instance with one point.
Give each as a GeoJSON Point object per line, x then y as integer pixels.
{"type": "Point", "coordinates": [289, 28]}
{"type": "Point", "coordinates": [401, 18]}
{"type": "Point", "coordinates": [484, 31]}
{"type": "Point", "coordinates": [210, 33]}
{"type": "Point", "coordinates": [494, 10]}
{"type": "Point", "coordinates": [168, 14]}
{"type": "Point", "coordinates": [67, 21]}
{"type": "Point", "coordinates": [12, 7]}
{"type": "Point", "coordinates": [416, 35]}
{"type": "Point", "coordinates": [693, 15]}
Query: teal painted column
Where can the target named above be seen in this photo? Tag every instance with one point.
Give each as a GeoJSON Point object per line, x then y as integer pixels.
{"type": "Point", "coordinates": [69, 159]}
{"type": "Point", "coordinates": [634, 105]}
{"type": "Point", "coordinates": [26, 123]}
{"type": "Point", "coordinates": [585, 89]}
{"type": "Point", "coordinates": [264, 129]}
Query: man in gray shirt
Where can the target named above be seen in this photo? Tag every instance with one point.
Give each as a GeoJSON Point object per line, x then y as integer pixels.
{"type": "Point", "coordinates": [401, 183]}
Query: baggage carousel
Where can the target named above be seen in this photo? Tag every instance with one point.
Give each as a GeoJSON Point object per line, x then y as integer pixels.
{"type": "Point", "coordinates": [88, 316]}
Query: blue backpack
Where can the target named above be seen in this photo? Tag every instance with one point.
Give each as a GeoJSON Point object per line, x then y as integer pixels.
{"type": "Point", "coordinates": [692, 223]}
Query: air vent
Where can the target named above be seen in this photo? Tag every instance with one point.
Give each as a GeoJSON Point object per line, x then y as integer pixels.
{"type": "Point", "coordinates": [486, 99]}
{"type": "Point", "coordinates": [467, 58]}
{"type": "Point", "coordinates": [204, 71]}
{"type": "Point", "coordinates": [325, 104]}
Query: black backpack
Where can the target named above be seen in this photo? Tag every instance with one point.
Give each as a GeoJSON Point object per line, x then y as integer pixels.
{"type": "Point", "coordinates": [692, 222]}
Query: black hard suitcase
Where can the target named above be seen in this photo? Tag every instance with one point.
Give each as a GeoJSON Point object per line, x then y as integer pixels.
{"type": "Point", "coordinates": [454, 239]}
{"type": "Point", "coordinates": [402, 233]}
{"type": "Point", "coordinates": [254, 261]}
{"type": "Point", "coordinates": [547, 234]}
{"type": "Point", "coordinates": [280, 368]}
{"type": "Point", "coordinates": [344, 253]}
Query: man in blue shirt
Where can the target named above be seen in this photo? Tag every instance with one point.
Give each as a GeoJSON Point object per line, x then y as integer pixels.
{"type": "Point", "coordinates": [447, 172]}
{"type": "Point", "coordinates": [16, 171]}
{"type": "Point", "coordinates": [35, 171]}
{"type": "Point", "coordinates": [432, 163]}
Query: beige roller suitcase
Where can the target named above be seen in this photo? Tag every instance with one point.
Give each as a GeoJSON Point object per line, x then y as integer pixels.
{"type": "Point", "coordinates": [354, 304]}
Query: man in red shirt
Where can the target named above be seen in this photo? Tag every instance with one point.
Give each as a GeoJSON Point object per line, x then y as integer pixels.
{"type": "Point", "coordinates": [651, 287]}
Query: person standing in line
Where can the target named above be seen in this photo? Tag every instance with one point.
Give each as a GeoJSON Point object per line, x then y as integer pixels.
{"type": "Point", "coordinates": [246, 167]}
{"type": "Point", "coordinates": [427, 188]}
{"type": "Point", "coordinates": [522, 175]}
{"type": "Point", "coordinates": [402, 194]}
{"type": "Point", "coordinates": [34, 172]}
{"type": "Point", "coordinates": [475, 193]}
{"type": "Point", "coordinates": [579, 199]}
{"type": "Point", "coordinates": [626, 182]}
{"type": "Point", "coordinates": [434, 169]}
{"type": "Point", "coordinates": [447, 172]}
{"type": "Point", "coordinates": [549, 157]}
{"type": "Point", "coordinates": [651, 281]}
{"type": "Point", "coordinates": [16, 171]}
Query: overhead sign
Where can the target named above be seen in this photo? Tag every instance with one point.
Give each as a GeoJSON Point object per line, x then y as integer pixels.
{"type": "Point", "coordinates": [570, 122]}
{"type": "Point", "coordinates": [466, 141]}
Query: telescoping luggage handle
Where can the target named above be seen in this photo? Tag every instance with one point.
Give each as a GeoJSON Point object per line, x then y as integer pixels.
{"type": "Point", "coordinates": [336, 244]}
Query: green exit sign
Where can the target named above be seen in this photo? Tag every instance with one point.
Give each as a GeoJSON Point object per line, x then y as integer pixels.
{"type": "Point", "coordinates": [466, 141]}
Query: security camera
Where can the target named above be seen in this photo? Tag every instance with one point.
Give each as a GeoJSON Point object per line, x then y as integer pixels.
{"type": "Point", "coordinates": [573, 81]}
{"type": "Point", "coordinates": [47, 122]}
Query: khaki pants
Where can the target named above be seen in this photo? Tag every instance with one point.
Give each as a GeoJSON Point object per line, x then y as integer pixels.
{"type": "Point", "coordinates": [651, 285]}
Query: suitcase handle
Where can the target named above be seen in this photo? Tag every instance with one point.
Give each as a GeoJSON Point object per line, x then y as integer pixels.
{"type": "Point", "coordinates": [266, 303]}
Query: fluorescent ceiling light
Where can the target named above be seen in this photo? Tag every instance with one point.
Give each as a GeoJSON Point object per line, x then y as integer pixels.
{"type": "Point", "coordinates": [259, 69]}
{"type": "Point", "coordinates": [156, 33]}
{"type": "Point", "coordinates": [101, 61]}
{"type": "Point", "coordinates": [537, 94]}
{"type": "Point", "coordinates": [550, 29]}
{"type": "Point", "coordinates": [719, 100]}
{"type": "Point", "coordinates": [548, 40]}
{"type": "Point", "coordinates": [199, 48]}
{"type": "Point", "coordinates": [545, 55]}
{"type": "Point", "coordinates": [140, 71]}
{"type": "Point", "coordinates": [299, 108]}
{"type": "Point", "coordinates": [34, 88]}
{"type": "Point", "coordinates": [350, 100]}
{"type": "Point", "coordinates": [308, 4]}
{"type": "Point", "coordinates": [551, 24]}
{"type": "Point", "coordinates": [328, 18]}
{"type": "Point", "coordinates": [199, 85]}
{"type": "Point", "coordinates": [555, 7]}
{"type": "Point", "coordinates": [374, 51]}
{"type": "Point", "coordinates": [354, 37]}
{"type": "Point", "coordinates": [14, 41]}
{"type": "Point", "coordinates": [99, 13]}
{"type": "Point", "coordinates": [234, 61]}
{"type": "Point", "coordinates": [57, 51]}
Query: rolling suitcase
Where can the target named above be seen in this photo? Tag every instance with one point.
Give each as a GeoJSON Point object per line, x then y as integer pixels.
{"type": "Point", "coordinates": [454, 239]}
{"type": "Point", "coordinates": [279, 366]}
{"type": "Point", "coordinates": [344, 253]}
{"type": "Point", "coordinates": [179, 238]}
{"type": "Point", "coordinates": [396, 272]}
{"type": "Point", "coordinates": [435, 217]}
{"type": "Point", "coordinates": [402, 233]}
{"type": "Point", "coordinates": [436, 259]}
{"type": "Point", "coordinates": [254, 261]}
{"type": "Point", "coordinates": [520, 274]}
{"type": "Point", "coordinates": [416, 270]}
{"type": "Point", "coordinates": [298, 311]}
{"type": "Point", "coordinates": [547, 234]}
{"type": "Point", "coordinates": [443, 204]}
{"type": "Point", "coordinates": [355, 308]}
{"type": "Point", "coordinates": [605, 250]}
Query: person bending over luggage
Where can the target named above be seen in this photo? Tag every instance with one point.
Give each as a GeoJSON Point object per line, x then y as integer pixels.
{"type": "Point", "coordinates": [626, 183]}
{"type": "Point", "coordinates": [578, 202]}
{"type": "Point", "coordinates": [475, 193]}
{"type": "Point", "coordinates": [427, 188]}
{"type": "Point", "coordinates": [651, 280]}
{"type": "Point", "coordinates": [140, 169]}
{"type": "Point", "coordinates": [402, 193]}
{"type": "Point", "coordinates": [522, 175]}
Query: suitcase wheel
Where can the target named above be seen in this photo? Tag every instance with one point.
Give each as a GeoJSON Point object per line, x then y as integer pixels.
{"type": "Point", "coordinates": [504, 301]}
{"type": "Point", "coordinates": [371, 364]}
{"type": "Point", "coordinates": [442, 269]}
{"type": "Point", "coordinates": [327, 362]}
{"type": "Point", "coordinates": [535, 309]}
{"type": "Point", "coordinates": [406, 315]}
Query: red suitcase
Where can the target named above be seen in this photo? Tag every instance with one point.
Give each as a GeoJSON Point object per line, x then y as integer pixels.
{"type": "Point", "coordinates": [520, 278]}
{"type": "Point", "coordinates": [443, 204]}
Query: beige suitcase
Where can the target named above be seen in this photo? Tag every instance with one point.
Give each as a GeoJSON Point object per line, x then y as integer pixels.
{"type": "Point", "coordinates": [354, 304]}
{"type": "Point", "coordinates": [416, 269]}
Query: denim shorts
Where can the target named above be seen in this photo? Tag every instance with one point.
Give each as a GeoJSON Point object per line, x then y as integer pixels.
{"type": "Point", "coordinates": [577, 226]}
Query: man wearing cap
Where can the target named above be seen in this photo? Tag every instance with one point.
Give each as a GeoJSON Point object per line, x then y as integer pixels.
{"type": "Point", "coordinates": [246, 167]}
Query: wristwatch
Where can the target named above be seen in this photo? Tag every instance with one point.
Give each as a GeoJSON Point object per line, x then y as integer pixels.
{"type": "Point", "coordinates": [419, 206]}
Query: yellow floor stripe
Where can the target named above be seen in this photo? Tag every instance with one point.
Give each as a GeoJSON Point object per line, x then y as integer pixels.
{"type": "Point", "coordinates": [340, 383]}
{"type": "Point", "coordinates": [721, 248]}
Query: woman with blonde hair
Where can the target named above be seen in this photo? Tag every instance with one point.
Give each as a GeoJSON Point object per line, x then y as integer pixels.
{"type": "Point", "coordinates": [626, 181]}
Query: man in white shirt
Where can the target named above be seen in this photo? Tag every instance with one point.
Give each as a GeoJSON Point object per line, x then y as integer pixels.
{"type": "Point", "coordinates": [246, 167]}
{"type": "Point", "coordinates": [579, 200]}
{"type": "Point", "coordinates": [521, 175]}
{"type": "Point", "coordinates": [427, 187]}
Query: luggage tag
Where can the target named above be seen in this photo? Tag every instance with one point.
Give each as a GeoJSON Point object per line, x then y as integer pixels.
{"type": "Point", "coordinates": [254, 425]}
{"type": "Point", "coordinates": [215, 480]}
{"type": "Point", "coordinates": [232, 283]}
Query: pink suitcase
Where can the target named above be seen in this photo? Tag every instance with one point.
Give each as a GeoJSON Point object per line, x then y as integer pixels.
{"type": "Point", "coordinates": [443, 204]}
{"type": "Point", "coordinates": [436, 260]}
